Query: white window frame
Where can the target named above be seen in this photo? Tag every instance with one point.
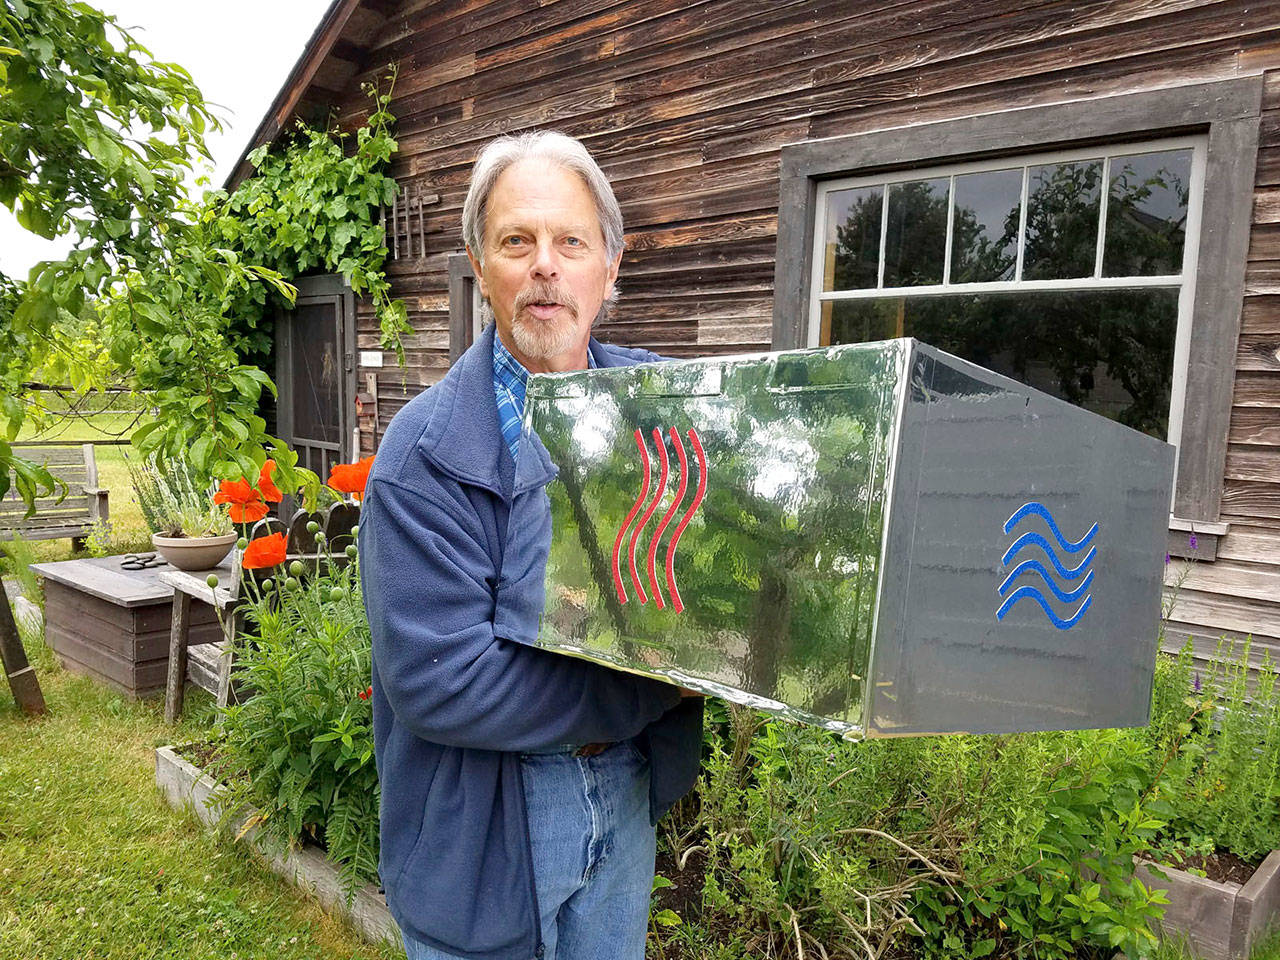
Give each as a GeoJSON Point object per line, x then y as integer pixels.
{"type": "Point", "coordinates": [1185, 281]}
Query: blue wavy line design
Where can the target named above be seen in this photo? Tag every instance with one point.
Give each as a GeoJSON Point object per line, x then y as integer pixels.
{"type": "Point", "coordinates": [1040, 510]}
{"type": "Point", "coordinates": [1033, 538]}
{"type": "Point", "coordinates": [1066, 593]}
{"type": "Point", "coordinates": [1038, 567]}
{"type": "Point", "coordinates": [1032, 593]}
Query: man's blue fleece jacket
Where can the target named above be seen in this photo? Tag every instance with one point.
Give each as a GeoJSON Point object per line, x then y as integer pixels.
{"type": "Point", "coordinates": [453, 703]}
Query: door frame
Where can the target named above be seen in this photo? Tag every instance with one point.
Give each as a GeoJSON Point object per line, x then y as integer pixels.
{"type": "Point", "coordinates": [319, 290]}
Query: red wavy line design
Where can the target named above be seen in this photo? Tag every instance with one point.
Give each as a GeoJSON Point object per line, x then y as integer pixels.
{"type": "Point", "coordinates": [635, 532]}
{"type": "Point", "coordinates": [644, 519]}
{"type": "Point", "coordinates": [672, 589]}
{"type": "Point", "coordinates": [666, 519]}
{"type": "Point", "coordinates": [657, 534]}
{"type": "Point", "coordinates": [617, 544]}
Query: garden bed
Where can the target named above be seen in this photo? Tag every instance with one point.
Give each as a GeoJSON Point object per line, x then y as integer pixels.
{"type": "Point", "coordinates": [185, 785]}
{"type": "Point", "coordinates": [1223, 920]}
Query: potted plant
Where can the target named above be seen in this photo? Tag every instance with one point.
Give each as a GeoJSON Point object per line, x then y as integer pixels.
{"type": "Point", "coordinates": [187, 528]}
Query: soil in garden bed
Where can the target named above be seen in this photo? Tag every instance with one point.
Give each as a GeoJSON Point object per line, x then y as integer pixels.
{"type": "Point", "coordinates": [1220, 867]}
{"type": "Point", "coordinates": [199, 755]}
{"type": "Point", "coordinates": [684, 896]}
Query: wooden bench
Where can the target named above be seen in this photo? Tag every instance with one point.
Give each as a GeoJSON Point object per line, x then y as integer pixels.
{"type": "Point", "coordinates": [74, 516]}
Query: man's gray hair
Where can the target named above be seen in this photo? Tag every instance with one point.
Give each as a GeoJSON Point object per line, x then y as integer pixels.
{"type": "Point", "coordinates": [549, 146]}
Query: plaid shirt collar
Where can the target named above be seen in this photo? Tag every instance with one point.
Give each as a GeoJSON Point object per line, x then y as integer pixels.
{"type": "Point", "coordinates": [510, 380]}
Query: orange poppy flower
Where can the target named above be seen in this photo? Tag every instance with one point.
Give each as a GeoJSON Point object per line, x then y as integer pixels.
{"type": "Point", "coordinates": [264, 552]}
{"type": "Point", "coordinates": [270, 492]}
{"type": "Point", "coordinates": [245, 503]}
{"type": "Point", "coordinates": [351, 477]}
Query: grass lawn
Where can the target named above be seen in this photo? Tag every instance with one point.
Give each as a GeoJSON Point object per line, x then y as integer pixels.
{"type": "Point", "coordinates": [1269, 949]}
{"type": "Point", "coordinates": [94, 864]}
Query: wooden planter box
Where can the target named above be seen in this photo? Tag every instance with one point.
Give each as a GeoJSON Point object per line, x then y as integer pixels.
{"type": "Point", "coordinates": [1221, 920]}
{"type": "Point", "coordinates": [113, 624]}
{"type": "Point", "coordinates": [186, 786]}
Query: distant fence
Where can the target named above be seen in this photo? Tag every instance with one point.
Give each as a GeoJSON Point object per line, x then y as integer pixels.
{"type": "Point", "coordinates": [79, 406]}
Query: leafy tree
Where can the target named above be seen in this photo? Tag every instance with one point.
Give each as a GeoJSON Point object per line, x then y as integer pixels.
{"type": "Point", "coordinates": [166, 293]}
{"type": "Point", "coordinates": [96, 140]}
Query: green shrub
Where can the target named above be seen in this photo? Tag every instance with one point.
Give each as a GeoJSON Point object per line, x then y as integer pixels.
{"type": "Point", "coordinates": [1218, 741]}
{"type": "Point", "coordinates": [947, 846]}
{"type": "Point", "coordinates": [98, 540]}
{"type": "Point", "coordinates": [300, 748]}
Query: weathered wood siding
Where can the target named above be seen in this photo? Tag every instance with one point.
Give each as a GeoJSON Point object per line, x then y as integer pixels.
{"type": "Point", "coordinates": [1239, 594]}
{"type": "Point", "coordinates": [686, 105]}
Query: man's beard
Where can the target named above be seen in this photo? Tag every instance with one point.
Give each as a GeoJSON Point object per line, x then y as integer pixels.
{"type": "Point", "coordinates": [543, 339]}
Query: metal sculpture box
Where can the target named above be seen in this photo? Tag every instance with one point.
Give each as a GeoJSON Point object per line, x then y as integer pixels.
{"type": "Point", "coordinates": [881, 539]}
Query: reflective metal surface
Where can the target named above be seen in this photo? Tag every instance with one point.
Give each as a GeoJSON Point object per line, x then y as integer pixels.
{"type": "Point", "coordinates": [821, 534]}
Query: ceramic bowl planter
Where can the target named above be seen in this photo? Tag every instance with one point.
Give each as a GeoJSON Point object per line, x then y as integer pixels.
{"type": "Point", "coordinates": [1222, 920]}
{"type": "Point", "coordinates": [194, 553]}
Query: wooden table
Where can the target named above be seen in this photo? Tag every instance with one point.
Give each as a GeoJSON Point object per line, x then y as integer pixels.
{"type": "Point", "coordinates": [194, 585]}
{"type": "Point", "coordinates": [113, 624]}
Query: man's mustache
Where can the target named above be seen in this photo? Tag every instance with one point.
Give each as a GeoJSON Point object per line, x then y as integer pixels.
{"type": "Point", "coordinates": [546, 293]}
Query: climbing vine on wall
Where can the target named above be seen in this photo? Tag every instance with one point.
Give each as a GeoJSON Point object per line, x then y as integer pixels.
{"type": "Point", "coordinates": [313, 205]}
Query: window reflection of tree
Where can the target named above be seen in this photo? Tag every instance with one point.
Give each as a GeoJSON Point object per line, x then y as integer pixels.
{"type": "Point", "coordinates": [1111, 350]}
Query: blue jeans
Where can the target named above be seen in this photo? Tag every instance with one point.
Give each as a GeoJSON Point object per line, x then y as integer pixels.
{"type": "Point", "coordinates": [593, 854]}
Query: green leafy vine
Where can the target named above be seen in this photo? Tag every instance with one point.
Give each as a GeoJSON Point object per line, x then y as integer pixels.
{"type": "Point", "coordinates": [313, 205]}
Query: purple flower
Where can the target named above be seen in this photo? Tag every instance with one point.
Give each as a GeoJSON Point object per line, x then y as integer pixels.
{"type": "Point", "coordinates": [1193, 541]}
{"type": "Point", "coordinates": [1195, 682]}
{"type": "Point", "coordinates": [1167, 558]}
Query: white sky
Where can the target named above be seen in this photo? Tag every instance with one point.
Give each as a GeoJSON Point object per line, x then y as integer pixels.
{"type": "Point", "coordinates": [239, 53]}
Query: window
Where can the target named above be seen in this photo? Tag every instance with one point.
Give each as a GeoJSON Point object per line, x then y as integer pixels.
{"type": "Point", "coordinates": [917, 223]}
{"type": "Point", "coordinates": [1072, 271]}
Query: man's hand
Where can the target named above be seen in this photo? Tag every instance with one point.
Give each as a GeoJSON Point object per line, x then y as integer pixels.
{"type": "Point", "coordinates": [686, 692]}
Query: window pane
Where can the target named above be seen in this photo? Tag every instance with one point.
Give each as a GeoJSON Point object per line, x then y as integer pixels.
{"type": "Point", "coordinates": [1147, 214]}
{"type": "Point", "coordinates": [915, 241]}
{"type": "Point", "coordinates": [1108, 351]}
{"type": "Point", "coordinates": [853, 239]}
{"type": "Point", "coordinates": [984, 231]}
{"type": "Point", "coordinates": [1063, 205]}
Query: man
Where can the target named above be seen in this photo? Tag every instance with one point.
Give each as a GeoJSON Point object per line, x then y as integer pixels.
{"type": "Point", "coordinates": [519, 787]}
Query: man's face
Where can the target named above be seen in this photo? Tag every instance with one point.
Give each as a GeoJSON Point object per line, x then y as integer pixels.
{"type": "Point", "coordinates": [545, 270]}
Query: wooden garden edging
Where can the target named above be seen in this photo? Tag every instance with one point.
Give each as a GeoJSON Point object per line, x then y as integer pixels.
{"type": "Point", "coordinates": [186, 786]}
{"type": "Point", "coordinates": [1223, 921]}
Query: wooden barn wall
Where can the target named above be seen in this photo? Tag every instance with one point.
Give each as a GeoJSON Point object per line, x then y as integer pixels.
{"type": "Point", "coordinates": [686, 106]}
{"type": "Point", "coordinates": [1239, 593]}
